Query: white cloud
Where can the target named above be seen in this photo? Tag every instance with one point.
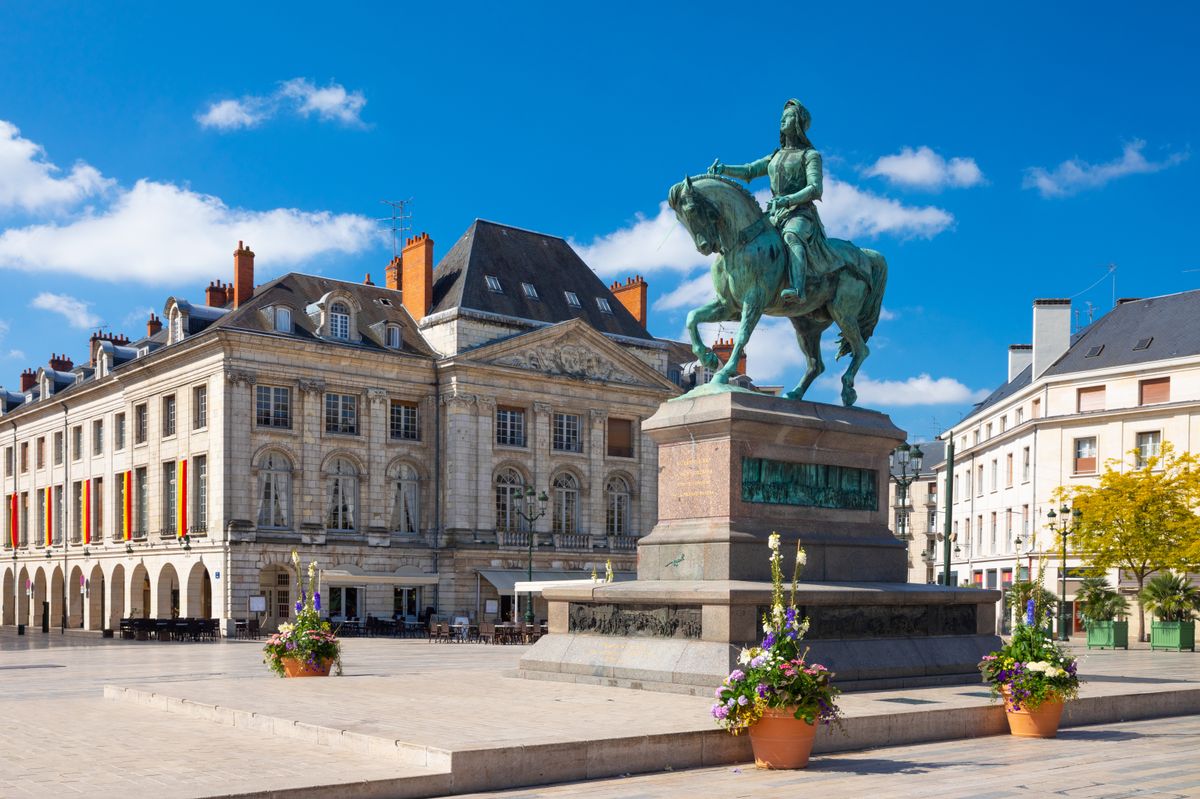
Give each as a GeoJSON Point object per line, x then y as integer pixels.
{"type": "Point", "coordinates": [772, 354]}
{"type": "Point", "coordinates": [300, 96]}
{"type": "Point", "coordinates": [919, 390]}
{"type": "Point", "coordinates": [1076, 175]}
{"type": "Point", "coordinates": [850, 212]}
{"type": "Point", "coordinates": [691, 293]}
{"type": "Point", "coordinates": [74, 311]}
{"type": "Point", "coordinates": [31, 183]}
{"type": "Point", "coordinates": [161, 233]}
{"type": "Point", "coordinates": [922, 168]}
{"type": "Point", "coordinates": [886, 316]}
{"type": "Point", "coordinates": [15, 354]}
{"type": "Point", "coordinates": [137, 316]}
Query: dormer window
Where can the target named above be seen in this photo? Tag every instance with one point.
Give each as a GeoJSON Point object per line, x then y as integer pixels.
{"type": "Point", "coordinates": [572, 299]}
{"type": "Point", "coordinates": [530, 290]}
{"type": "Point", "coordinates": [604, 306]}
{"type": "Point", "coordinates": [176, 327]}
{"type": "Point", "coordinates": [339, 321]}
{"type": "Point", "coordinates": [283, 320]}
{"type": "Point", "coordinates": [393, 336]}
{"type": "Point", "coordinates": [493, 284]}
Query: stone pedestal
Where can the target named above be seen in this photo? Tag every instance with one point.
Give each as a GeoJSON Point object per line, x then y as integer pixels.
{"type": "Point", "coordinates": [734, 468]}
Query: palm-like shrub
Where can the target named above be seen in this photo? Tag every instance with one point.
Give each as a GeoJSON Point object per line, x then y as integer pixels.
{"type": "Point", "coordinates": [1098, 601]}
{"type": "Point", "coordinates": [1170, 597]}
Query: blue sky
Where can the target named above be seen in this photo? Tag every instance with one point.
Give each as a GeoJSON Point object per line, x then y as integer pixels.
{"type": "Point", "coordinates": [992, 156]}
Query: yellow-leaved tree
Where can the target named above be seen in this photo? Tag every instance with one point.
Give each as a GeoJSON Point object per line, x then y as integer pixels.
{"type": "Point", "coordinates": [1139, 519]}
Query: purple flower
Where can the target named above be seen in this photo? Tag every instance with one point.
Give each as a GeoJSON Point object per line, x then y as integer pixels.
{"type": "Point", "coordinates": [769, 641]}
{"type": "Point", "coordinates": [719, 711]}
{"type": "Point", "coordinates": [743, 701]}
{"type": "Point", "coordinates": [1029, 612]}
{"type": "Point", "coordinates": [790, 615]}
{"type": "Point", "coordinates": [316, 600]}
{"type": "Point", "coordinates": [299, 606]}
{"type": "Point", "coordinates": [291, 645]}
{"type": "Point", "coordinates": [758, 661]}
{"type": "Point", "coordinates": [761, 690]}
{"type": "Point", "coordinates": [736, 674]}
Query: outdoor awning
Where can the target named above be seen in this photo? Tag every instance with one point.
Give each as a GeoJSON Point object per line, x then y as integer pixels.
{"type": "Point", "coordinates": [343, 577]}
{"type": "Point", "coordinates": [505, 580]}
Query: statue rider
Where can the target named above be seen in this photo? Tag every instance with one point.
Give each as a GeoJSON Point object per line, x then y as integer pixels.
{"type": "Point", "coordinates": [796, 184]}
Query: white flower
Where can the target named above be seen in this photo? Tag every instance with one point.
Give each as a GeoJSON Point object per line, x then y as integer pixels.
{"type": "Point", "coordinates": [744, 658]}
{"type": "Point", "coordinates": [295, 557]}
{"type": "Point", "coordinates": [286, 629]}
{"type": "Point", "coordinates": [1038, 665]}
{"type": "Point", "coordinates": [801, 555]}
{"type": "Point", "coordinates": [773, 542]}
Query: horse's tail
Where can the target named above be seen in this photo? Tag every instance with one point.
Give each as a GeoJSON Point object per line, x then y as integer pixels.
{"type": "Point", "coordinates": [868, 316]}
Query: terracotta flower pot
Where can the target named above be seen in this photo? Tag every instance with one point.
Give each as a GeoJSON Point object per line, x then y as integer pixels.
{"type": "Point", "coordinates": [1040, 723]}
{"type": "Point", "coordinates": [294, 667]}
{"type": "Point", "coordinates": [781, 741]}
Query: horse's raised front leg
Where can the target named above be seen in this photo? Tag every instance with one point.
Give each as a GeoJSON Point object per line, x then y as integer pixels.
{"type": "Point", "coordinates": [808, 335]}
{"type": "Point", "coordinates": [715, 311]}
{"type": "Point", "coordinates": [752, 309]}
{"type": "Point", "coordinates": [847, 322]}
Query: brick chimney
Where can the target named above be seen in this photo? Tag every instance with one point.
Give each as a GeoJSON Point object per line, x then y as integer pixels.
{"type": "Point", "coordinates": [391, 274]}
{"type": "Point", "coordinates": [28, 379]}
{"type": "Point", "coordinates": [367, 280]}
{"type": "Point", "coordinates": [61, 363]}
{"type": "Point", "coordinates": [243, 275]}
{"type": "Point", "coordinates": [215, 295]}
{"type": "Point", "coordinates": [723, 347]}
{"type": "Point", "coordinates": [416, 275]}
{"type": "Point", "coordinates": [153, 325]}
{"type": "Point", "coordinates": [633, 296]}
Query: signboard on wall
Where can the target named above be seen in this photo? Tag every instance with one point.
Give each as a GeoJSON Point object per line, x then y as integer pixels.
{"type": "Point", "coordinates": [258, 604]}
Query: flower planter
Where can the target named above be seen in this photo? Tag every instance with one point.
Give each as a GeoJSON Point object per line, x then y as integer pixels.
{"type": "Point", "coordinates": [1040, 723]}
{"type": "Point", "coordinates": [781, 741]}
{"type": "Point", "coordinates": [1173, 635]}
{"type": "Point", "coordinates": [1107, 634]}
{"type": "Point", "coordinates": [294, 667]}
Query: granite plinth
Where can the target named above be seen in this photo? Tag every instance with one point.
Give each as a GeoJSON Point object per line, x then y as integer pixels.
{"type": "Point", "coordinates": [735, 467]}
{"type": "Point", "coordinates": [873, 635]}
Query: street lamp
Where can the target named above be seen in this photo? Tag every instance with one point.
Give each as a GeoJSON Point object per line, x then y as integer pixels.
{"type": "Point", "coordinates": [906, 459]}
{"type": "Point", "coordinates": [1070, 520]}
{"type": "Point", "coordinates": [533, 510]}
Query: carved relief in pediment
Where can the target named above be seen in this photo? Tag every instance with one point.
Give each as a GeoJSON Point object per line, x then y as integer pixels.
{"type": "Point", "coordinates": [569, 360]}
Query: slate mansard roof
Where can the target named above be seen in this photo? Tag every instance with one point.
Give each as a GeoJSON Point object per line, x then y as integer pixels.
{"type": "Point", "coordinates": [514, 256]}
{"type": "Point", "coordinates": [1133, 333]}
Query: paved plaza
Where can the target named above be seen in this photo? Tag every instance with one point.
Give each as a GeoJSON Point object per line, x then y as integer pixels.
{"type": "Point", "coordinates": [454, 703]}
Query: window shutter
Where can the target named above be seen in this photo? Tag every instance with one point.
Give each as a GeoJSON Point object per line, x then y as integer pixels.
{"type": "Point", "coordinates": [1091, 399]}
{"type": "Point", "coordinates": [620, 438]}
{"type": "Point", "coordinates": [1154, 391]}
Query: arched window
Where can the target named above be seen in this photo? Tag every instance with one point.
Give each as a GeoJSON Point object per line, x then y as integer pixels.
{"type": "Point", "coordinates": [339, 320]}
{"type": "Point", "coordinates": [343, 496]}
{"type": "Point", "coordinates": [566, 504]}
{"type": "Point", "coordinates": [510, 490]}
{"type": "Point", "coordinates": [406, 516]}
{"type": "Point", "coordinates": [616, 519]}
{"type": "Point", "coordinates": [176, 326]}
{"type": "Point", "coordinates": [275, 491]}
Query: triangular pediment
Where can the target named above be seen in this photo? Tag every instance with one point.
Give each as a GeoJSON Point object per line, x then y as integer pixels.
{"type": "Point", "coordinates": [571, 349]}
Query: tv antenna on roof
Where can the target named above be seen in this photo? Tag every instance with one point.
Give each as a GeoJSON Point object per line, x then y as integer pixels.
{"type": "Point", "coordinates": [400, 222]}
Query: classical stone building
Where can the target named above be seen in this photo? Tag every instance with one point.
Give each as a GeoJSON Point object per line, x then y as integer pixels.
{"type": "Point", "coordinates": [1115, 390]}
{"type": "Point", "coordinates": [916, 520]}
{"type": "Point", "coordinates": [388, 432]}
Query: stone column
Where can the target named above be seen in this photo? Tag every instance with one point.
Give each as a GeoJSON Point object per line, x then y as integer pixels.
{"type": "Point", "coordinates": [646, 496]}
{"type": "Point", "coordinates": [374, 489]}
{"type": "Point", "coordinates": [307, 495]}
{"type": "Point", "coordinates": [485, 517]}
{"type": "Point", "coordinates": [539, 442]}
{"type": "Point", "coordinates": [238, 493]}
{"type": "Point", "coordinates": [593, 520]}
{"type": "Point", "coordinates": [459, 461]}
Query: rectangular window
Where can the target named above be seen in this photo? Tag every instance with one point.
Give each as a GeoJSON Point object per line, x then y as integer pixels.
{"type": "Point", "coordinates": [975, 439]}
{"type": "Point", "coordinates": [97, 503]}
{"type": "Point", "coordinates": [77, 516]}
{"type": "Point", "coordinates": [341, 414]}
{"type": "Point", "coordinates": [995, 474]}
{"type": "Point", "coordinates": [169, 494]}
{"type": "Point", "coordinates": [141, 502]}
{"type": "Point", "coordinates": [530, 290]}
{"type": "Point", "coordinates": [1008, 470]}
{"type": "Point", "coordinates": [493, 284]}
{"type": "Point", "coordinates": [273, 406]}
{"type": "Point", "coordinates": [1003, 423]}
{"type": "Point", "coordinates": [24, 456]}
{"type": "Point", "coordinates": [989, 431]}
{"type": "Point", "coordinates": [1085, 456]}
{"type": "Point", "coordinates": [572, 298]}
{"type": "Point", "coordinates": [76, 442]}
{"type": "Point", "coordinates": [141, 423]}
{"type": "Point", "coordinates": [199, 407]}
{"type": "Point", "coordinates": [1090, 399]}
{"type": "Point", "coordinates": [510, 426]}
{"type": "Point", "coordinates": [119, 431]}
{"type": "Point", "coordinates": [620, 438]}
{"type": "Point", "coordinates": [168, 416]}
{"type": "Point", "coordinates": [1036, 412]}
{"type": "Point", "coordinates": [1020, 416]}
{"type": "Point", "coordinates": [1008, 536]}
{"type": "Point", "coordinates": [992, 543]}
{"type": "Point", "coordinates": [979, 480]}
{"type": "Point", "coordinates": [404, 421]}
{"type": "Point", "coordinates": [58, 448]}
{"type": "Point", "coordinates": [1025, 522]}
{"type": "Point", "coordinates": [199, 510]}
{"type": "Point", "coordinates": [1025, 466]}
{"type": "Point", "coordinates": [602, 303]}
{"type": "Point", "coordinates": [1154, 391]}
{"type": "Point", "coordinates": [566, 433]}
{"type": "Point", "coordinates": [56, 521]}
{"type": "Point", "coordinates": [1149, 444]}
{"type": "Point", "coordinates": [9, 461]}
{"type": "Point", "coordinates": [98, 437]}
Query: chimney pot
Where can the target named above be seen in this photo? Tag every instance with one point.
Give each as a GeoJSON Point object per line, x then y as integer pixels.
{"type": "Point", "coordinates": [153, 325]}
{"type": "Point", "coordinates": [243, 276]}
{"type": "Point", "coordinates": [28, 379]}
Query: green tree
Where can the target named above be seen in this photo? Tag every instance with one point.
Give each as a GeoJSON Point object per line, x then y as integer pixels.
{"type": "Point", "coordinates": [1141, 519]}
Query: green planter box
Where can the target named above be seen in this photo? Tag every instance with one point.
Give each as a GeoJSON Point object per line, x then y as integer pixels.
{"type": "Point", "coordinates": [1174, 635]}
{"type": "Point", "coordinates": [1107, 634]}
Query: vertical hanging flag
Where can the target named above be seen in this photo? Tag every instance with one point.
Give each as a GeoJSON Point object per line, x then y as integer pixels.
{"type": "Point", "coordinates": [181, 513]}
{"type": "Point", "coordinates": [85, 512]}
{"type": "Point", "coordinates": [127, 501]}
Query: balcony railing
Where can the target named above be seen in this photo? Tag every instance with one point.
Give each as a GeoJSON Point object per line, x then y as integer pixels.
{"type": "Point", "coordinates": [622, 543]}
{"type": "Point", "coordinates": [572, 541]}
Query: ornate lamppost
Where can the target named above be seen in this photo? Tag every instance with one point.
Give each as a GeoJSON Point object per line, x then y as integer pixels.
{"type": "Point", "coordinates": [906, 459]}
{"type": "Point", "coordinates": [1069, 520]}
{"type": "Point", "coordinates": [533, 510]}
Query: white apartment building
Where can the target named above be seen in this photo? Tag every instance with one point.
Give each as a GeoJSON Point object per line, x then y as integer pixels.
{"type": "Point", "coordinates": [388, 432]}
{"type": "Point", "coordinates": [1070, 403]}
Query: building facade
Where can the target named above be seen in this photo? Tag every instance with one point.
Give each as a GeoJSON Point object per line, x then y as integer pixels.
{"type": "Point", "coordinates": [1114, 391]}
{"type": "Point", "coordinates": [390, 433]}
{"type": "Point", "coordinates": [914, 517]}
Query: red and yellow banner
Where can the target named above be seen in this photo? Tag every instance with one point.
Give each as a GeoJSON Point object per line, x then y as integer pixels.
{"type": "Point", "coordinates": [181, 509]}
{"type": "Point", "coordinates": [127, 511]}
{"type": "Point", "coordinates": [13, 521]}
{"type": "Point", "coordinates": [85, 512]}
